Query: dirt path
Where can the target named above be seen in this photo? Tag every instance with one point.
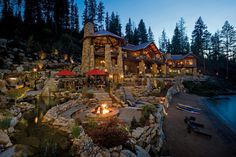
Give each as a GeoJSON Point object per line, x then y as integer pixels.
{"type": "Point", "coordinates": [182, 144]}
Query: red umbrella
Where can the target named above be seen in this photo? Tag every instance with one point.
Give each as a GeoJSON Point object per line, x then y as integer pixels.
{"type": "Point", "coordinates": [65, 73]}
{"type": "Point", "coordinates": [96, 72]}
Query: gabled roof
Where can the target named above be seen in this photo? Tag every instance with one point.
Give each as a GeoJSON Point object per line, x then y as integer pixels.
{"type": "Point", "coordinates": [176, 57]}
{"type": "Point", "coordinates": [131, 47]}
{"type": "Point", "coordinates": [105, 33]}
{"type": "Point", "coordinates": [179, 57]}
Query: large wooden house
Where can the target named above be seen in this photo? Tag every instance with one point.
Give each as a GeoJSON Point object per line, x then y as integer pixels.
{"type": "Point", "coordinates": [109, 52]}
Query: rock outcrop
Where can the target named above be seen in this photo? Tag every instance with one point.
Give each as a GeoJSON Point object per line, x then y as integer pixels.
{"type": "Point", "coordinates": [4, 139]}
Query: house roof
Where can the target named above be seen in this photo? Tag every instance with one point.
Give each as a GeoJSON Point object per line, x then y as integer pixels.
{"type": "Point", "coordinates": [131, 47]}
{"type": "Point", "coordinates": [179, 57]}
{"type": "Point", "coordinates": [105, 33]}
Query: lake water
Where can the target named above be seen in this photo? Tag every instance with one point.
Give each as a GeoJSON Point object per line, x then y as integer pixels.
{"type": "Point", "coordinates": [225, 108]}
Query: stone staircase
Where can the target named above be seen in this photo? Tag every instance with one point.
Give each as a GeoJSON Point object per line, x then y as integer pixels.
{"type": "Point", "coordinates": [103, 97]}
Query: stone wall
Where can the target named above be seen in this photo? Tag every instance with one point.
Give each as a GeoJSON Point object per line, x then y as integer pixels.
{"type": "Point", "coordinates": [176, 88]}
{"type": "Point", "coordinates": [86, 52]}
{"type": "Point", "coordinates": [108, 63]}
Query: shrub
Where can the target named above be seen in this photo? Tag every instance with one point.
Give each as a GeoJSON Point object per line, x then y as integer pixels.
{"type": "Point", "coordinates": [76, 130]}
{"type": "Point", "coordinates": [5, 123]}
{"type": "Point", "coordinates": [109, 134]}
{"type": "Point", "coordinates": [134, 123]}
{"type": "Point", "coordinates": [147, 110]}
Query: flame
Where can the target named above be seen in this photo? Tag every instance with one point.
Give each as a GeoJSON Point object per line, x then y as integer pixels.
{"type": "Point", "coordinates": [103, 109]}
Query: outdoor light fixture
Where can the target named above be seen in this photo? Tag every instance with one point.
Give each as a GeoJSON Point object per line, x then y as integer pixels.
{"type": "Point", "coordinates": [110, 76]}
{"type": "Point", "coordinates": [35, 70]}
{"type": "Point", "coordinates": [12, 78]}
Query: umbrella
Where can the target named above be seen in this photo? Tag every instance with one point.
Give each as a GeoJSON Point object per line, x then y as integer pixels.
{"type": "Point", "coordinates": [96, 72]}
{"type": "Point", "coordinates": [65, 73]}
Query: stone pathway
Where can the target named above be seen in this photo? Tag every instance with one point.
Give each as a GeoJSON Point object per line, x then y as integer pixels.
{"type": "Point", "coordinates": [103, 96]}
{"type": "Point", "coordinates": [68, 113]}
{"type": "Point", "coordinates": [33, 92]}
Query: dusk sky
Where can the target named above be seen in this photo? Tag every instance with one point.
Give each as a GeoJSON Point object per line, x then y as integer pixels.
{"type": "Point", "coordinates": [163, 14]}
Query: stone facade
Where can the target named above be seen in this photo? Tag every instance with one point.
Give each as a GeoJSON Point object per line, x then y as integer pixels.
{"type": "Point", "coordinates": [86, 53]}
{"type": "Point", "coordinates": [154, 68]}
{"type": "Point", "coordinates": [108, 63]}
{"type": "Point", "coordinates": [142, 67]}
{"type": "Point", "coordinates": [120, 64]}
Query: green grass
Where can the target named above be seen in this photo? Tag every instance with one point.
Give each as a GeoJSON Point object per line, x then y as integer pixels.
{"type": "Point", "coordinates": [76, 130]}
{"type": "Point", "coordinates": [5, 123]}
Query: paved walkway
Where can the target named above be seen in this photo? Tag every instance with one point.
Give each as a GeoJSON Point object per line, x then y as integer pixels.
{"type": "Point", "coordinates": [68, 113]}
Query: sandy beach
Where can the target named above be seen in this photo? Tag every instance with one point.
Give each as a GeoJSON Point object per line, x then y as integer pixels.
{"type": "Point", "coordinates": [180, 143]}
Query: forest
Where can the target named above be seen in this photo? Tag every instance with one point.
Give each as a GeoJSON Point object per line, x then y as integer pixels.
{"type": "Point", "coordinates": [46, 25]}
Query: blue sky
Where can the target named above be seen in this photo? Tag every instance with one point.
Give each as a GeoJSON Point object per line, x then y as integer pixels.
{"type": "Point", "coordinates": [163, 14]}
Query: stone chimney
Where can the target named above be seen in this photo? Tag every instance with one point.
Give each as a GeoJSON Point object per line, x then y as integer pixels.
{"type": "Point", "coordinates": [86, 52]}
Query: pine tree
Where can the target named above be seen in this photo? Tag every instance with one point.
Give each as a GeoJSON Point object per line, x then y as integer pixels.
{"type": "Point", "coordinates": [207, 42]}
{"type": "Point", "coordinates": [107, 21]}
{"type": "Point", "coordinates": [184, 44]}
{"type": "Point", "coordinates": [129, 32]}
{"type": "Point", "coordinates": [136, 39]}
{"type": "Point", "coordinates": [150, 34]}
{"type": "Point", "coordinates": [92, 10]}
{"type": "Point", "coordinates": [114, 24]}
{"type": "Point", "coordinates": [228, 36]}
{"type": "Point", "coordinates": [163, 42]}
{"type": "Point", "coordinates": [176, 45]}
{"type": "Point", "coordinates": [118, 25]}
{"type": "Point", "coordinates": [100, 15]}
{"type": "Point", "coordinates": [197, 45]}
{"type": "Point", "coordinates": [215, 44]}
{"type": "Point", "coordinates": [85, 13]}
{"type": "Point", "coordinates": [76, 18]}
{"type": "Point", "coordinates": [143, 36]}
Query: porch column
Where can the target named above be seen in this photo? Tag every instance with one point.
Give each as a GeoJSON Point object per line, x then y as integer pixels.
{"type": "Point", "coordinates": [91, 57]}
{"type": "Point", "coordinates": [141, 67]}
{"type": "Point", "coordinates": [120, 65]}
{"type": "Point", "coordinates": [154, 68]}
{"type": "Point", "coordinates": [108, 64]}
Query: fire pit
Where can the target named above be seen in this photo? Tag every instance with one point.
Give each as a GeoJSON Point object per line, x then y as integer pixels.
{"type": "Point", "coordinates": [103, 110]}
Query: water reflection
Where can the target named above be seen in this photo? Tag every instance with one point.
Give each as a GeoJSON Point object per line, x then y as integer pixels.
{"type": "Point", "coordinates": [225, 108]}
{"type": "Point", "coordinates": [41, 139]}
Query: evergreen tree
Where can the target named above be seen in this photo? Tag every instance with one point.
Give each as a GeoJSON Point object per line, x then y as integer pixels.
{"type": "Point", "coordinates": [76, 18]}
{"type": "Point", "coordinates": [92, 10]}
{"type": "Point", "coordinates": [215, 44]}
{"type": "Point", "coordinates": [197, 44]}
{"type": "Point", "coordinates": [118, 25]}
{"type": "Point", "coordinates": [85, 13]}
{"type": "Point", "coordinates": [207, 42]}
{"type": "Point", "coordinates": [61, 15]}
{"type": "Point", "coordinates": [107, 21]}
{"type": "Point", "coordinates": [169, 46]}
{"type": "Point", "coordinates": [184, 44]}
{"type": "Point", "coordinates": [228, 37]}
{"type": "Point", "coordinates": [143, 36]}
{"type": "Point", "coordinates": [150, 34]}
{"type": "Point", "coordinates": [100, 15]}
{"type": "Point", "coordinates": [176, 41]}
{"type": "Point", "coordinates": [114, 24]}
{"type": "Point", "coordinates": [136, 39]}
{"type": "Point", "coordinates": [129, 32]}
{"type": "Point", "coordinates": [163, 42]}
